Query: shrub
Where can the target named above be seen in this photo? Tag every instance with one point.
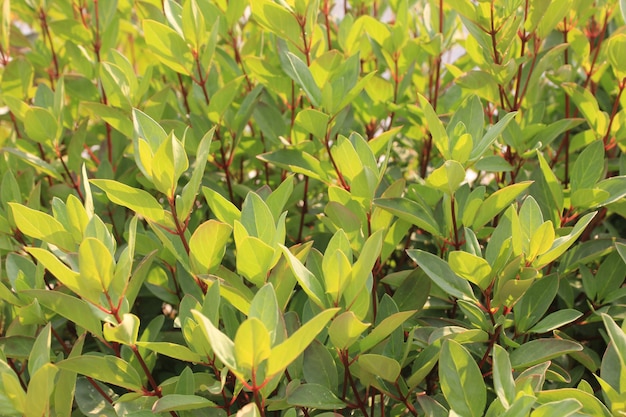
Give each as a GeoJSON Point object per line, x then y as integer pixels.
{"type": "Point", "coordinates": [294, 207]}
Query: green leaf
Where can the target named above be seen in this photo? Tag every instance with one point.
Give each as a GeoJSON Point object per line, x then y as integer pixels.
{"type": "Point", "coordinates": [39, 164]}
{"type": "Point", "coordinates": [277, 19]}
{"type": "Point", "coordinates": [471, 267]}
{"type": "Point", "coordinates": [309, 282]}
{"type": "Point", "coordinates": [223, 209]}
{"type": "Point", "coordinates": [88, 289]}
{"type": "Point", "coordinates": [438, 132]}
{"type": "Point", "coordinates": [384, 329]}
{"type": "Point", "coordinates": [223, 98]}
{"type": "Point", "coordinates": [379, 365]}
{"type": "Point", "coordinates": [42, 226]}
{"type": "Point", "coordinates": [147, 137]}
{"type": "Point", "coordinates": [252, 344]}
{"type": "Point", "coordinates": [616, 49]}
{"type": "Point", "coordinates": [296, 161]}
{"type": "Point", "coordinates": [589, 166]}
{"type": "Point", "coordinates": [561, 244]}
{"type": "Point", "coordinates": [172, 350]}
{"type": "Point", "coordinates": [503, 376]}
{"type": "Point", "coordinates": [41, 126]}
{"type": "Point", "coordinates": [108, 369]}
{"type": "Point", "coordinates": [541, 240]}
{"type": "Point", "coordinates": [370, 252]}
{"type": "Point", "coordinates": [337, 270]}
{"type": "Point", "coordinates": [588, 106]}
{"type": "Point", "coordinates": [265, 307]}
{"type": "Point", "coordinates": [318, 366]}
{"type": "Point", "coordinates": [497, 202]}
{"type": "Point", "coordinates": [314, 396]}
{"type": "Point", "coordinates": [346, 329]}
{"type": "Point", "coordinates": [590, 405]}
{"type": "Point", "coordinates": [249, 410]}
{"type": "Point", "coordinates": [17, 77]}
{"type": "Point", "coordinates": [461, 380]}
{"type": "Point", "coordinates": [441, 274]}
{"type": "Point", "coordinates": [411, 211]}
{"type": "Point", "coordinates": [223, 347]}
{"type": "Point", "coordinates": [96, 262]}
{"type": "Point", "coordinates": [193, 24]}
{"type": "Point", "coordinates": [533, 305]}
{"type": "Point", "coordinates": [254, 259]}
{"type": "Point", "coordinates": [40, 353]}
{"type": "Point", "coordinates": [72, 308]}
{"type": "Point", "coordinates": [190, 190]}
{"type": "Point", "coordinates": [493, 163]}
{"type": "Point", "coordinates": [125, 332]}
{"type": "Point", "coordinates": [169, 47]}
{"type": "Point", "coordinates": [66, 383]}
{"type": "Point", "coordinates": [40, 387]}
{"type": "Point", "coordinates": [300, 73]}
{"type": "Point", "coordinates": [257, 218]}
{"type": "Point", "coordinates": [565, 407]}
{"type": "Point", "coordinates": [168, 164]}
{"type": "Point", "coordinates": [621, 250]}
{"type": "Point", "coordinates": [541, 350]}
{"type": "Point", "coordinates": [555, 320]}
{"type": "Point", "coordinates": [554, 14]}
{"type": "Point", "coordinates": [481, 146]}
{"type": "Point", "coordinates": [346, 158]}
{"type": "Point", "coordinates": [476, 316]}
{"type": "Point", "coordinates": [279, 197]}
{"type": "Point", "coordinates": [207, 246]}
{"type": "Point", "coordinates": [135, 199]}
{"type": "Point", "coordinates": [285, 353]}
{"type": "Point", "coordinates": [617, 336]}
{"type": "Point", "coordinates": [448, 177]}
{"type": "Point", "coordinates": [178, 402]}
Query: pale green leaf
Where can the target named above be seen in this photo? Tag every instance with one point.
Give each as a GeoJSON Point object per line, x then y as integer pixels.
{"type": "Point", "coordinates": [285, 353]}
{"type": "Point", "coordinates": [461, 380]}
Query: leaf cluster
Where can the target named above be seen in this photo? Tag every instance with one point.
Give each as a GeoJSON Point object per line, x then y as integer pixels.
{"type": "Point", "coordinates": [312, 208]}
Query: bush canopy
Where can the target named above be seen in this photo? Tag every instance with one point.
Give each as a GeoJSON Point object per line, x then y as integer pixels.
{"type": "Point", "coordinates": [312, 208]}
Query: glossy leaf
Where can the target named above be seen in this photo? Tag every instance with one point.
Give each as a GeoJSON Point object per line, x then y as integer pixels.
{"type": "Point", "coordinates": [590, 404]}
{"type": "Point", "coordinates": [448, 177]}
{"type": "Point", "coordinates": [503, 376]}
{"type": "Point", "coordinates": [461, 380]}
{"type": "Point", "coordinates": [178, 402]}
{"type": "Point", "coordinates": [108, 369]}
{"type": "Point", "coordinates": [41, 226]}
{"type": "Point", "coordinates": [126, 332]}
{"type": "Point", "coordinates": [137, 200]}
{"type": "Point", "coordinates": [286, 352]}
{"type": "Point", "coordinates": [207, 246]}
{"type": "Point", "coordinates": [541, 350]}
{"type": "Point", "coordinates": [314, 396]}
{"type": "Point", "coordinates": [252, 344]}
{"type": "Point", "coordinates": [71, 308]}
{"type": "Point", "coordinates": [381, 366]}
{"type": "Point", "coordinates": [471, 267]}
{"type": "Point", "coordinates": [411, 211]}
{"type": "Point", "coordinates": [346, 329]}
{"type": "Point", "coordinates": [442, 275]}
{"type": "Point", "coordinates": [497, 202]}
{"type": "Point", "coordinates": [169, 47]}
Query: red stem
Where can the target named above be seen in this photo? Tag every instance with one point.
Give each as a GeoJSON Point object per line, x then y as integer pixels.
{"type": "Point", "coordinates": [622, 85]}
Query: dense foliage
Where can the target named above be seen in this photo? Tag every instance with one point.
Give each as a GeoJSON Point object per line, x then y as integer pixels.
{"type": "Point", "coordinates": [297, 207]}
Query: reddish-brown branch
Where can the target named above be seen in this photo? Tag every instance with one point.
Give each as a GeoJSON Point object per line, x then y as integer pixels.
{"type": "Point", "coordinates": [622, 86]}
{"type": "Point", "coordinates": [54, 75]}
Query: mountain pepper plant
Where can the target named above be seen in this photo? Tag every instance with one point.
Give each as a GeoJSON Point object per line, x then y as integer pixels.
{"type": "Point", "coordinates": [312, 208]}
